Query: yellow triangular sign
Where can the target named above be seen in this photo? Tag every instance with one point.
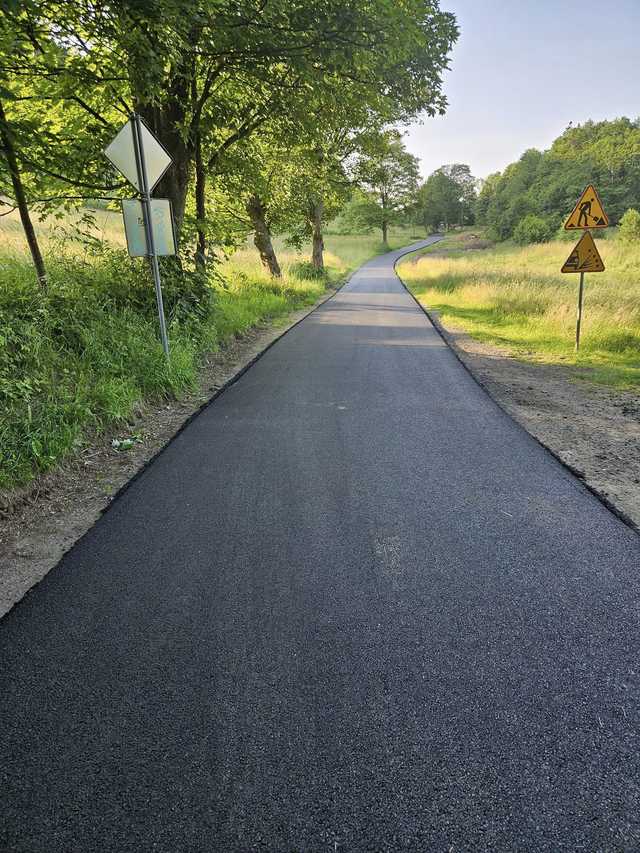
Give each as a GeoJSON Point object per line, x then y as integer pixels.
{"type": "Point", "coordinates": [588, 212]}
{"type": "Point", "coordinates": [585, 257]}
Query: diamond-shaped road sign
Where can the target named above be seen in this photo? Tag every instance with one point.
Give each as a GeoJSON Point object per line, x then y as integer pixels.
{"type": "Point", "coordinates": [121, 152]}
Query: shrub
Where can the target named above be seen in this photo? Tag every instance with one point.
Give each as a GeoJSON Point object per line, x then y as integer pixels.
{"type": "Point", "coordinates": [307, 272]}
{"type": "Point", "coordinates": [532, 229]}
{"type": "Point", "coordinates": [629, 231]}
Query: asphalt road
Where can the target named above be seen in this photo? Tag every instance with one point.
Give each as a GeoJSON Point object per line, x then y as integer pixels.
{"type": "Point", "coordinates": [352, 607]}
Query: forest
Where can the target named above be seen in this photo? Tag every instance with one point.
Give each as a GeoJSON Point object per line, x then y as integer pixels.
{"type": "Point", "coordinates": [531, 198]}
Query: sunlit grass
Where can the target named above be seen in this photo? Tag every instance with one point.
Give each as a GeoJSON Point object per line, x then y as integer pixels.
{"type": "Point", "coordinates": [343, 252]}
{"type": "Point", "coordinates": [518, 299]}
{"type": "Point", "coordinates": [56, 234]}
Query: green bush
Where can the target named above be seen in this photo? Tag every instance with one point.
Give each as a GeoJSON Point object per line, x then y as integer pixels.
{"type": "Point", "coordinates": [629, 231]}
{"type": "Point", "coordinates": [532, 229]}
{"type": "Point", "coordinates": [306, 271]}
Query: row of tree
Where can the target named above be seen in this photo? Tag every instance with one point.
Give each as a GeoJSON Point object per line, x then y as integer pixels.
{"type": "Point", "coordinates": [531, 198]}
{"type": "Point", "coordinates": [536, 194]}
{"type": "Point", "coordinates": [272, 110]}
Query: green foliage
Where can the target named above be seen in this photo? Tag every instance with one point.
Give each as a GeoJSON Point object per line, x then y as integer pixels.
{"type": "Point", "coordinates": [306, 271]}
{"type": "Point", "coordinates": [447, 196]}
{"type": "Point", "coordinates": [532, 229]}
{"type": "Point", "coordinates": [387, 177]}
{"type": "Point", "coordinates": [208, 75]}
{"type": "Point", "coordinates": [81, 356]}
{"type": "Point", "coordinates": [548, 184]}
{"type": "Point", "coordinates": [629, 230]}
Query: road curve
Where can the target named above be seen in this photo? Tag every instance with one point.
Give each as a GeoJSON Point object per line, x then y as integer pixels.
{"type": "Point", "coordinates": [351, 607]}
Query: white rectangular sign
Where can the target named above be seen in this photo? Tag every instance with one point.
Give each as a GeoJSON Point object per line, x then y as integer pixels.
{"type": "Point", "coordinates": [163, 231]}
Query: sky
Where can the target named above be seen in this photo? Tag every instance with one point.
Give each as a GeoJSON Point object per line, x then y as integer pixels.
{"type": "Point", "coordinates": [521, 71]}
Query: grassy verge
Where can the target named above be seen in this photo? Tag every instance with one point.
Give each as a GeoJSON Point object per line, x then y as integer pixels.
{"type": "Point", "coordinates": [80, 357]}
{"type": "Point", "coordinates": [517, 298]}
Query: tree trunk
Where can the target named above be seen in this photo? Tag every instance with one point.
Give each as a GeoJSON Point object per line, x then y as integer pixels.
{"type": "Point", "coordinates": [201, 208]}
{"type": "Point", "coordinates": [262, 236]}
{"type": "Point", "coordinates": [21, 199]}
{"type": "Point", "coordinates": [385, 220]}
{"type": "Point", "coordinates": [316, 208]}
{"type": "Point", "coordinates": [165, 122]}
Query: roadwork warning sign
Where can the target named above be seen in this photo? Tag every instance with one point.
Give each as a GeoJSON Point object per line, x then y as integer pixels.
{"type": "Point", "coordinates": [584, 257]}
{"type": "Point", "coordinates": [588, 212]}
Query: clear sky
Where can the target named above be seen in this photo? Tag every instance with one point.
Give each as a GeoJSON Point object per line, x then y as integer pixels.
{"type": "Point", "coordinates": [521, 71]}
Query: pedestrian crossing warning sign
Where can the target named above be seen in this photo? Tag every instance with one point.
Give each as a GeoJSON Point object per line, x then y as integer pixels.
{"type": "Point", "coordinates": [588, 212]}
{"type": "Point", "coordinates": [585, 257]}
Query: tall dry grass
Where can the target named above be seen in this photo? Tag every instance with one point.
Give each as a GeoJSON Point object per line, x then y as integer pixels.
{"type": "Point", "coordinates": [517, 298]}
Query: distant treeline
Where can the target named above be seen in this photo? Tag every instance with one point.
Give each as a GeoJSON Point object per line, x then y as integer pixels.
{"type": "Point", "coordinates": [547, 184]}
{"type": "Point", "coordinates": [531, 199]}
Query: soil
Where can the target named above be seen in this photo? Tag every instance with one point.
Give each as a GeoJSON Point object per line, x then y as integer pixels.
{"type": "Point", "coordinates": [40, 522]}
{"type": "Point", "coordinates": [592, 429]}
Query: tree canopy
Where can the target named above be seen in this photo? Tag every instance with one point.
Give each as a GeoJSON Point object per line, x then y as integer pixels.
{"type": "Point", "coordinates": [447, 197]}
{"type": "Point", "coordinates": [207, 76]}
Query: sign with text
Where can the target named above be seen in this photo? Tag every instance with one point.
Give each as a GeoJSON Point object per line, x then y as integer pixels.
{"type": "Point", "coordinates": [164, 237]}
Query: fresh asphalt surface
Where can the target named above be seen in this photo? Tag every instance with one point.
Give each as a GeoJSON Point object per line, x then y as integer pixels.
{"type": "Point", "coordinates": [351, 607]}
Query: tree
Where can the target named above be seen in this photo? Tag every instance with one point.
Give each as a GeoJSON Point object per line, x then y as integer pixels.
{"type": "Point", "coordinates": [444, 196]}
{"type": "Point", "coordinates": [388, 176]}
{"type": "Point", "coordinates": [206, 75]}
{"type": "Point", "coordinates": [532, 229]}
{"type": "Point", "coordinates": [485, 197]}
{"type": "Point", "coordinates": [630, 226]}
{"type": "Point", "coordinates": [461, 175]}
{"type": "Point", "coordinates": [8, 153]}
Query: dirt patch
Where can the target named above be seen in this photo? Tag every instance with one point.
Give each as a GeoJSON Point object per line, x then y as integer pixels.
{"type": "Point", "coordinates": [592, 429]}
{"type": "Point", "coordinates": [39, 523]}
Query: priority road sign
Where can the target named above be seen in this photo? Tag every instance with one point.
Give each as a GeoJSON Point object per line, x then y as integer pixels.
{"type": "Point", "coordinates": [585, 257]}
{"type": "Point", "coordinates": [122, 153]}
{"type": "Point", "coordinates": [588, 212]}
{"type": "Point", "coordinates": [143, 161]}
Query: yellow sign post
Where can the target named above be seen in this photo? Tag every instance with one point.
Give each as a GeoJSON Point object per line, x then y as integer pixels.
{"type": "Point", "coordinates": [588, 213]}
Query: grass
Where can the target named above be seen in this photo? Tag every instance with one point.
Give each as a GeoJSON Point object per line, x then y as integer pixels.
{"type": "Point", "coordinates": [83, 356]}
{"type": "Point", "coordinates": [516, 298]}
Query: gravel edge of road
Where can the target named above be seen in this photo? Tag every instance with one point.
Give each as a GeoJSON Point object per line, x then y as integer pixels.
{"type": "Point", "coordinates": [450, 341]}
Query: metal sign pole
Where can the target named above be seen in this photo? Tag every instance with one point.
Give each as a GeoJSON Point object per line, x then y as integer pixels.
{"type": "Point", "coordinates": [145, 198]}
{"type": "Point", "coordinates": [579, 318]}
